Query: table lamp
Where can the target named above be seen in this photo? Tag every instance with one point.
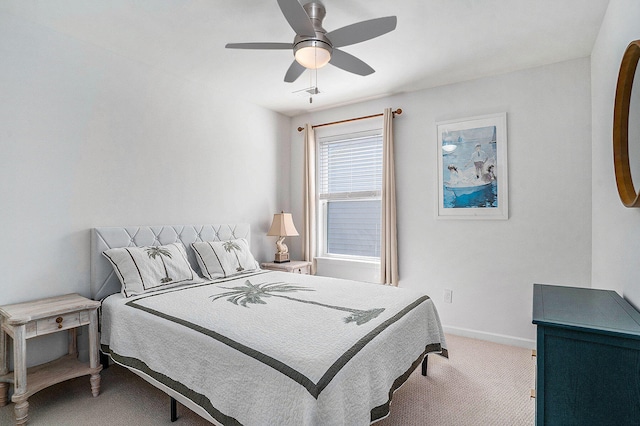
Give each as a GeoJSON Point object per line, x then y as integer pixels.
{"type": "Point", "coordinates": [281, 227]}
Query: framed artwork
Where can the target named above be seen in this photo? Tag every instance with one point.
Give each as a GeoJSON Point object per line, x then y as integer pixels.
{"type": "Point", "coordinates": [472, 168]}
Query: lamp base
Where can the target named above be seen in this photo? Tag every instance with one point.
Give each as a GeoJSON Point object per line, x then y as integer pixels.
{"type": "Point", "coordinates": [281, 258]}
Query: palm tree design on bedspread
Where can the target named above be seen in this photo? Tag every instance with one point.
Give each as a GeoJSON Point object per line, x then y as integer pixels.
{"type": "Point", "coordinates": [231, 245]}
{"type": "Point", "coordinates": [255, 294]}
{"type": "Point", "coordinates": [160, 252]}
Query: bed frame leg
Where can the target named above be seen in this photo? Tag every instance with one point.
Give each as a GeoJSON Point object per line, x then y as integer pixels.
{"type": "Point", "coordinates": [424, 365]}
{"type": "Point", "coordinates": [174, 410]}
{"type": "Point", "coordinates": [104, 360]}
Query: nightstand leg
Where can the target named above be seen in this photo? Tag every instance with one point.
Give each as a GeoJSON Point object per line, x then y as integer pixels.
{"type": "Point", "coordinates": [94, 358]}
{"type": "Point", "coordinates": [4, 394]}
{"type": "Point", "coordinates": [73, 342]}
{"type": "Point", "coordinates": [4, 369]}
{"type": "Point", "coordinates": [20, 375]}
{"type": "Point", "coordinates": [21, 410]}
{"type": "Point", "coordinates": [95, 384]}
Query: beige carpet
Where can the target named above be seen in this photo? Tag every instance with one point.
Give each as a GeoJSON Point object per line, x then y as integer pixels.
{"type": "Point", "coordinates": [482, 383]}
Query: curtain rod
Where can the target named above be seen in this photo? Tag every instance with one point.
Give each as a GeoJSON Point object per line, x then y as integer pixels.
{"type": "Point", "coordinates": [398, 111]}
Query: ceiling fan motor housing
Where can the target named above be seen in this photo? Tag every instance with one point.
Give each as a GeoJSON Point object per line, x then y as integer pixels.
{"type": "Point", "coordinates": [316, 12]}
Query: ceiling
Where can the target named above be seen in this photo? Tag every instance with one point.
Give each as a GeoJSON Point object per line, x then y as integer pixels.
{"type": "Point", "coordinates": [436, 42]}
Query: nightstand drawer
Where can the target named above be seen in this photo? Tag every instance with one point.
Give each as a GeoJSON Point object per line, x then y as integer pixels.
{"type": "Point", "coordinates": [294, 266]}
{"type": "Point", "coordinates": [301, 270]}
{"type": "Point", "coordinates": [57, 323]}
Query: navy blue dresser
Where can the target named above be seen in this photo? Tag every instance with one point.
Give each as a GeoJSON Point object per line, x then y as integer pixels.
{"type": "Point", "coordinates": [588, 357]}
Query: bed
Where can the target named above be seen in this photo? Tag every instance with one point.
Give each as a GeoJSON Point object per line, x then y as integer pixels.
{"type": "Point", "coordinates": [240, 345]}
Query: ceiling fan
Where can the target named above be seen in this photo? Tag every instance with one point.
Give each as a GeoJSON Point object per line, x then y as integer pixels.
{"type": "Point", "coordinates": [314, 47]}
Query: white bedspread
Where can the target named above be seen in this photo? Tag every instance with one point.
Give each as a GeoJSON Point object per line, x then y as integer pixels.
{"type": "Point", "coordinates": [274, 348]}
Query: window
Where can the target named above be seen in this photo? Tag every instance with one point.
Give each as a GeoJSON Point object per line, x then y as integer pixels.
{"type": "Point", "coordinates": [349, 192]}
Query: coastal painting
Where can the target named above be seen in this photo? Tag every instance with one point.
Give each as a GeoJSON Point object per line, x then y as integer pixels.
{"type": "Point", "coordinates": [472, 168]}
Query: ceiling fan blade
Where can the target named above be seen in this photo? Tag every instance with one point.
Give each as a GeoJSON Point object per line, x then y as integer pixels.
{"type": "Point", "coordinates": [297, 17]}
{"type": "Point", "coordinates": [362, 31]}
{"type": "Point", "coordinates": [259, 45]}
{"type": "Point", "coordinates": [294, 71]}
{"type": "Point", "coordinates": [348, 62]}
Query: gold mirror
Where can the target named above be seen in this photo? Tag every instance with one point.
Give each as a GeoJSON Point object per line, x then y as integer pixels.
{"type": "Point", "coordinates": [626, 136]}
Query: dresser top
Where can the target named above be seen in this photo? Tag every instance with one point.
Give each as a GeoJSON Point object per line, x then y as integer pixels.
{"type": "Point", "coordinates": [584, 308]}
{"type": "Point", "coordinates": [22, 313]}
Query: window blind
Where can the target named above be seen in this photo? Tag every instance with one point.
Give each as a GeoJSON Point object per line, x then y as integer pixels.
{"type": "Point", "coordinates": [349, 188]}
{"type": "Point", "coordinates": [350, 168]}
{"type": "Point", "coordinates": [353, 227]}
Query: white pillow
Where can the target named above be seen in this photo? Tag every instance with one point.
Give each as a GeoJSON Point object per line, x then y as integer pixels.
{"type": "Point", "coordinates": [143, 269]}
{"type": "Point", "coordinates": [220, 259]}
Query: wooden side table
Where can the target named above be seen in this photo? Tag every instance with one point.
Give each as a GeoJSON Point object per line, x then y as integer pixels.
{"type": "Point", "coordinates": [295, 266]}
{"type": "Point", "coordinates": [22, 321]}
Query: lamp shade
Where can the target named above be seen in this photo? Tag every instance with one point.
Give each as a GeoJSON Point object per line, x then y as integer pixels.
{"type": "Point", "coordinates": [282, 226]}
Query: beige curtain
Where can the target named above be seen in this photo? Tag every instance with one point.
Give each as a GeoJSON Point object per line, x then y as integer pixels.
{"type": "Point", "coordinates": [389, 249]}
{"type": "Point", "coordinates": [309, 208]}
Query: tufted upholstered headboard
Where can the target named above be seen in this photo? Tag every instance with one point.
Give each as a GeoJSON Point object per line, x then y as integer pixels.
{"type": "Point", "coordinates": [105, 282]}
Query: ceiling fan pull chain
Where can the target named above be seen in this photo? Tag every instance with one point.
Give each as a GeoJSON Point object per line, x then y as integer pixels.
{"type": "Point", "coordinates": [310, 85]}
{"type": "Point", "coordinates": [315, 86]}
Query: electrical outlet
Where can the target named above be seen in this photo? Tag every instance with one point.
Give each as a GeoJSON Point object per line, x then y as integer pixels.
{"type": "Point", "coordinates": [448, 295]}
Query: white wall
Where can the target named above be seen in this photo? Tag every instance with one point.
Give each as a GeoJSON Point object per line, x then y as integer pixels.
{"type": "Point", "coordinates": [90, 138]}
{"type": "Point", "coordinates": [616, 229]}
{"type": "Point", "coordinates": [491, 265]}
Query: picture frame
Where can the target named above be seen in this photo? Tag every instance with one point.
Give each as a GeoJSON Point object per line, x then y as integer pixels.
{"type": "Point", "coordinates": [469, 189]}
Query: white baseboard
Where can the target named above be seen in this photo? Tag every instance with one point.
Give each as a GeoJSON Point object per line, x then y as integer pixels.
{"type": "Point", "coordinates": [491, 337]}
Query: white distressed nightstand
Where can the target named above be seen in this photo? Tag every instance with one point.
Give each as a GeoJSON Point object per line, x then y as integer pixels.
{"type": "Point", "coordinates": [22, 321]}
{"type": "Point", "coordinates": [295, 266]}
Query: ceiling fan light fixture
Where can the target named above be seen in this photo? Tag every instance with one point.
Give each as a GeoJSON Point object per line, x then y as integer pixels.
{"type": "Point", "coordinates": [312, 54]}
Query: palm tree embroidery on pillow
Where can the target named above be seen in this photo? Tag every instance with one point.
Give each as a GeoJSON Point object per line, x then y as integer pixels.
{"type": "Point", "coordinates": [232, 245]}
{"type": "Point", "coordinates": [160, 252]}
{"type": "Point", "coordinates": [255, 294]}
